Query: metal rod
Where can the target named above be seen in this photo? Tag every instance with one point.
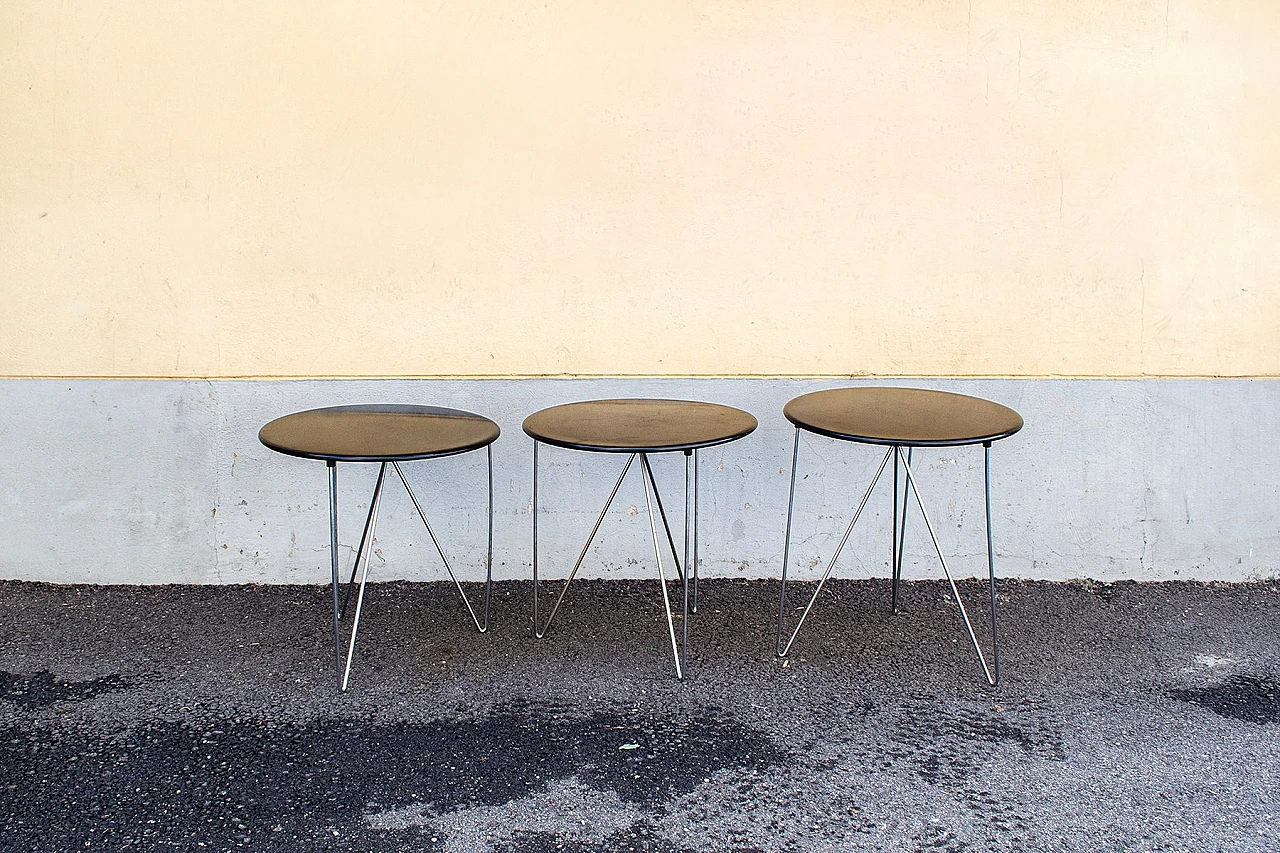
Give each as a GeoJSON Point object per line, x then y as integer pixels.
{"type": "Point", "coordinates": [581, 555]}
{"type": "Point", "coordinates": [695, 532]}
{"type": "Point", "coordinates": [534, 514]}
{"type": "Point", "coordinates": [662, 512]}
{"type": "Point", "coordinates": [657, 553]}
{"type": "Point", "coordinates": [439, 550]}
{"type": "Point", "coordinates": [893, 541]}
{"type": "Point", "coordinates": [688, 546]}
{"type": "Point", "coordinates": [364, 538]}
{"type": "Point", "coordinates": [955, 590]}
{"type": "Point", "coordinates": [991, 564]}
{"type": "Point", "coordinates": [364, 575]}
{"type": "Point", "coordinates": [786, 544]}
{"type": "Point", "coordinates": [333, 559]}
{"type": "Point", "coordinates": [902, 530]}
{"type": "Point", "coordinates": [831, 565]}
{"type": "Point", "coordinates": [488, 560]}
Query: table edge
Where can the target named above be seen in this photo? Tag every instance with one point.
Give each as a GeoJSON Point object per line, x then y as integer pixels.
{"type": "Point", "coordinates": [398, 457]}
{"type": "Point", "coordinates": [666, 448]}
{"type": "Point", "coordinates": [887, 442]}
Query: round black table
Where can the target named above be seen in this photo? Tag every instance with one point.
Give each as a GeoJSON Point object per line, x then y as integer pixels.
{"type": "Point", "coordinates": [907, 417]}
{"type": "Point", "coordinates": [639, 428]}
{"type": "Point", "coordinates": [389, 435]}
{"type": "Point", "coordinates": [902, 419]}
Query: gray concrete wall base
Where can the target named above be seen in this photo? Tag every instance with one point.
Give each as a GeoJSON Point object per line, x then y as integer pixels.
{"type": "Point", "coordinates": [136, 481]}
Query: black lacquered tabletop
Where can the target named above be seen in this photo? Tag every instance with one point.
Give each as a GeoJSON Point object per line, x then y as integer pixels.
{"type": "Point", "coordinates": [378, 433]}
{"type": "Point", "coordinates": [905, 416]}
{"type": "Point", "coordinates": [638, 426]}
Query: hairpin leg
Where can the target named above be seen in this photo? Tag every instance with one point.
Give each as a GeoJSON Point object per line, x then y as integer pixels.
{"type": "Point", "coordinates": [676, 651]}
{"type": "Point", "coordinates": [992, 677]}
{"type": "Point", "coordinates": [780, 649]}
{"type": "Point", "coordinates": [542, 632]}
{"type": "Point", "coordinates": [363, 556]}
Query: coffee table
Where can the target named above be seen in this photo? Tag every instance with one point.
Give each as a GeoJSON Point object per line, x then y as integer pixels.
{"type": "Point", "coordinates": [388, 435]}
{"type": "Point", "coordinates": [901, 419]}
{"type": "Point", "coordinates": [636, 429]}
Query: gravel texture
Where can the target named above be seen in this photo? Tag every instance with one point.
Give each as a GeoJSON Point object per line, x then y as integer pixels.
{"type": "Point", "coordinates": [1130, 717]}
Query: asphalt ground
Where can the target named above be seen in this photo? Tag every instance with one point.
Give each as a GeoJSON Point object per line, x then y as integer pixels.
{"type": "Point", "coordinates": [1129, 717]}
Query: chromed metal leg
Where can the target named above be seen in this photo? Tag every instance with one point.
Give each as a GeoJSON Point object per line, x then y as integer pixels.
{"type": "Point", "coordinates": [341, 600]}
{"type": "Point", "coordinates": [365, 538]}
{"type": "Point", "coordinates": [991, 563]}
{"type": "Point", "coordinates": [782, 599]}
{"type": "Point", "coordinates": [911, 483]}
{"type": "Point", "coordinates": [662, 513]}
{"type": "Point", "coordinates": [542, 632]}
{"type": "Point", "coordinates": [488, 557]}
{"type": "Point", "coordinates": [676, 651]}
{"type": "Point", "coordinates": [481, 627]}
{"type": "Point", "coordinates": [333, 559]}
{"type": "Point", "coordinates": [363, 555]}
{"type": "Point", "coordinates": [899, 525]}
{"type": "Point", "coordinates": [893, 534]}
{"type": "Point", "coordinates": [786, 544]}
{"type": "Point", "coordinates": [694, 562]}
{"type": "Point", "coordinates": [534, 514]}
{"type": "Point", "coordinates": [688, 546]}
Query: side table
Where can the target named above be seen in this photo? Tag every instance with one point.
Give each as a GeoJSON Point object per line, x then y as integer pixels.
{"type": "Point", "coordinates": [902, 419]}
{"type": "Point", "coordinates": [638, 428]}
{"type": "Point", "coordinates": [388, 435]}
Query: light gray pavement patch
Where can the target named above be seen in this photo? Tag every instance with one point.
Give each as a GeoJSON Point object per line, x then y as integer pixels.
{"type": "Point", "coordinates": [1131, 717]}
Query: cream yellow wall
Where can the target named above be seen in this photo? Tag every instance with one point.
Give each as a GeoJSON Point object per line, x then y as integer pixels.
{"type": "Point", "coordinates": [1087, 187]}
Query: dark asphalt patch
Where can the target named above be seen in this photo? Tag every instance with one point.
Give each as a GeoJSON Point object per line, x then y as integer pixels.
{"type": "Point", "coordinates": [235, 783]}
{"type": "Point", "coordinates": [1240, 697]}
{"type": "Point", "coordinates": [41, 689]}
